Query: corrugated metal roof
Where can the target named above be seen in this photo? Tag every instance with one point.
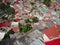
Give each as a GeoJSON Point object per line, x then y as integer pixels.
{"type": "Point", "coordinates": [53, 32]}
{"type": "Point", "coordinates": [37, 42]}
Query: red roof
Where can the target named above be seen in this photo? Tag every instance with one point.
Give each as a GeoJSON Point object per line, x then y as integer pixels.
{"type": "Point", "coordinates": [53, 32]}
{"type": "Point", "coordinates": [18, 19]}
{"type": "Point", "coordinates": [17, 2]}
{"type": "Point", "coordinates": [54, 42]}
{"type": "Point", "coordinates": [15, 29]}
{"type": "Point", "coordinates": [5, 24]}
{"type": "Point", "coordinates": [58, 10]}
{"type": "Point", "coordinates": [58, 27]}
{"type": "Point", "coordinates": [17, 12]}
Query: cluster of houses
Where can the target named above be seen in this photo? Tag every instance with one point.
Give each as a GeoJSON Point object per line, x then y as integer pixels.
{"type": "Point", "coordinates": [45, 30]}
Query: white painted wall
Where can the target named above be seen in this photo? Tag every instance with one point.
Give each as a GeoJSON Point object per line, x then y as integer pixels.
{"type": "Point", "coordinates": [45, 38]}
{"type": "Point", "coordinates": [2, 35]}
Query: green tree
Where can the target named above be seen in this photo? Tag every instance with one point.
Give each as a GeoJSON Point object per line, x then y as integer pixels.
{"type": "Point", "coordinates": [29, 27]}
{"type": "Point", "coordinates": [35, 19]}
{"type": "Point", "coordinates": [20, 27]}
{"type": "Point", "coordinates": [32, 3]}
{"type": "Point", "coordinates": [9, 11]}
{"type": "Point", "coordinates": [47, 2]}
{"type": "Point", "coordinates": [3, 6]}
{"type": "Point", "coordinates": [27, 20]}
{"type": "Point", "coordinates": [8, 33]}
{"type": "Point", "coordinates": [26, 28]}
